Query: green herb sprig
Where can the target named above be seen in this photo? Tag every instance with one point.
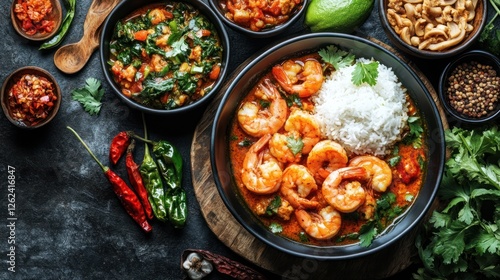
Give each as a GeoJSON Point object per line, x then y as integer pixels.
{"type": "Point", "coordinates": [363, 72]}
{"type": "Point", "coordinates": [462, 241]}
{"type": "Point", "coordinates": [89, 96]}
{"type": "Point", "coordinates": [490, 36]}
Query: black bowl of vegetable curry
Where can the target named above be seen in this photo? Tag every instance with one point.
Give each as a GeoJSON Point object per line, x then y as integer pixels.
{"type": "Point", "coordinates": [164, 57]}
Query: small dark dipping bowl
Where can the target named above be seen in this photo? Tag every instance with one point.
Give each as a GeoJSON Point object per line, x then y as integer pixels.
{"type": "Point", "coordinates": [237, 89]}
{"type": "Point", "coordinates": [264, 33]}
{"type": "Point", "coordinates": [13, 78]}
{"type": "Point", "coordinates": [124, 9]}
{"type": "Point", "coordinates": [479, 56]}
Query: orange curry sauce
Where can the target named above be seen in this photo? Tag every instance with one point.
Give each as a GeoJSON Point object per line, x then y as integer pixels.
{"type": "Point", "coordinates": [406, 181]}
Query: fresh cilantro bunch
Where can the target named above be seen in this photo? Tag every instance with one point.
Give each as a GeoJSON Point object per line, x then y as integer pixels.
{"type": "Point", "coordinates": [462, 241]}
{"type": "Point", "coordinates": [363, 72]}
{"type": "Point", "coordinates": [89, 96]}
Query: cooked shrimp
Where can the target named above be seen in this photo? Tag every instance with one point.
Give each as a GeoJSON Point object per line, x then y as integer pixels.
{"type": "Point", "coordinates": [322, 225]}
{"type": "Point", "coordinates": [379, 172]}
{"type": "Point", "coordinates": [306, 125]}
{"type": "Point", "coordinates": [261, 172]}
{"type": "Point", "coordinates": [367, 210]}
{"type": "Point", "coordinates": [286, 147]}
{"type": "Point", "coordinates": [258, 121]}
{"type": "Point", "coordinates": [326, 155]}
{"type": "Point", "coordinates": [341, 190]}
{"type": "Point", "coordinates": [304, 80]}
{"type": "Point", "coordinates": [297, 184]}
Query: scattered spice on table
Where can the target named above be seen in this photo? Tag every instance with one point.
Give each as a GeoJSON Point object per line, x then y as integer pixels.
{"type": "Point", "coordinates": [31, 99]}
{"type": "Point", "coordinates": [127, 197]}
{"type": "Point", "coordinates": [34, 16]}
{"type": "Point", "coordinates": [473, 89]}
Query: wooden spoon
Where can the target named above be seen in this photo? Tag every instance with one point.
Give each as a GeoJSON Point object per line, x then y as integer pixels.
{"type": "Point", "coordinates": [72, 58]}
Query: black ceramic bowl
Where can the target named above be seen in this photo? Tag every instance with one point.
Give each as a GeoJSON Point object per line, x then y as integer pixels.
{"type": "Point", "coordinates": [243, 81]}
{"type": "Point", "coordinates": [478, 56]}
{"type": "Point", "coordinates": [478, 23]}
{"type": "Point", "coordinates": [265, 33]}
{"type": "Point", "coordinates": [125, 8]}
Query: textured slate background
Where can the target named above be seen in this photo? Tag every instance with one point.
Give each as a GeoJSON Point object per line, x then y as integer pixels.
{"type": "Point", "coordinates": [70, 225]}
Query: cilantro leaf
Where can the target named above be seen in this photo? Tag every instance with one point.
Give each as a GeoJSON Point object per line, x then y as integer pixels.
{"type": "Point", "coordinates": [336, 57]}
{"type": "Point", "coordinates": [275, 228]}
{"type": "Point", "coordinates": [367, 233]}
{"type": "Point", "coordinates": [365, 73]}
{"type": "Point", "coordinates": [273, 206]}
{"type": "Point", "coordinates": [89, 96]}
{"type": "Point", "coordinates": [463, 240]}
{"type": "Point", "coordinates": [294, 144]}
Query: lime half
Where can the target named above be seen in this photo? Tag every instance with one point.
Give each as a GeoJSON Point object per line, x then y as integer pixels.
{"type": "Point", "coordinates": [337, 15]}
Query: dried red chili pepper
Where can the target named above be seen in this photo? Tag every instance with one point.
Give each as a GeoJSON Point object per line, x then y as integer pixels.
{"type": "Point", "coordinates": [127, 197]}
{"type": "Point", "coordinates": [135, 179]}
{"type": "Point", "coordinates": [224, 265]}
{"type": "Point", "coordinates": [118, 146]}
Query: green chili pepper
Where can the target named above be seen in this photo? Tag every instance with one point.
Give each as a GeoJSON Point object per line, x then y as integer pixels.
{"type": "Point", "coordinates": [176, 203]}
{"type": "Point", "coordinates": [63, 29]}
{"type": "Point", "coordinates": [169, 161]}
{"type": "Point", "coordinates": [153, 182]}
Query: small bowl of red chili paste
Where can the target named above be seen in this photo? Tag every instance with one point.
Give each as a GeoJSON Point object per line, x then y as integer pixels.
{"type": "Point", "coordinates": [36, 20]}
{"type": "Point", "coordinates": [30, 97]}
{"type": "Point", "coordinates": [256, 18]}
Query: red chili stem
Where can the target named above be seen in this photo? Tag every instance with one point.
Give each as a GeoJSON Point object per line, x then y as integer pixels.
{"type": "Point", "coordinates": [127, 197]}
{"type": "Point", "coordinates": [135, 179]}
{"type": "Point", "coordinates": [104, 168]}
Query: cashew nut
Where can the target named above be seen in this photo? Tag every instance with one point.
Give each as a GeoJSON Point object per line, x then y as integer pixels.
{"type": "Point", "coordinates": [434, 25]}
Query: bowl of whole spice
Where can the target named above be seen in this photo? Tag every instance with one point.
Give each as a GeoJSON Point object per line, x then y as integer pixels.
{"type": "Point", "coordinates": [469, 88]}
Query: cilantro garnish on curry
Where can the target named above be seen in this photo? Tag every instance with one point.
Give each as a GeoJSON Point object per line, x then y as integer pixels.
{"type": "Point", "coordinates": [165, 56]}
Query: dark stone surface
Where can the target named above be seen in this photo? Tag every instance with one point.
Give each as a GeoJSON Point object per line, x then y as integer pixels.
{"type": "Point", "coordinates": [70, 225]}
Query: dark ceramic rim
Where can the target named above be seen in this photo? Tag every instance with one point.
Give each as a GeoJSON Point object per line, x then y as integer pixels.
{"type": "Point", "coordinates": [8, 83]}
{"type": "Point", "coordinates": [258, 34]}
{"type": "Point", "coordinates": [481, 56]}
{"type": "Point", "coordinates": [131, 5]}
{"type": "Point", "coordinates": [404, 223]}
{"type": "Point", "coordinates": [37, 37]}
{"type": "Point", "coordinates": [394, 37]}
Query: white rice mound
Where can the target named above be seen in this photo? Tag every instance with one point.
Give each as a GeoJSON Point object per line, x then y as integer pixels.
{"type": "Point", "coordinates": [363, 119]}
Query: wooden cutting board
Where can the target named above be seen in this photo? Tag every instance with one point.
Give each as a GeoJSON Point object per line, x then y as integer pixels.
{"type": "Point", "coordinates": [379, 265]}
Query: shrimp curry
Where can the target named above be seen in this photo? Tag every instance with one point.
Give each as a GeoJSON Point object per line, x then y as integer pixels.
{"type": "Point", "coordinates": [306, 187]}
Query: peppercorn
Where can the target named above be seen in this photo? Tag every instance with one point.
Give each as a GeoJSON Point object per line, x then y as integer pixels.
{"type": "Point", "coordinates": [473, 89]}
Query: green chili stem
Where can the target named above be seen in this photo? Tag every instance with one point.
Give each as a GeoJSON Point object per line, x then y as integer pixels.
{"type": "Point", "coordinates": [104, 168]}
{"type": "Point", "coordinates": [145, 138]}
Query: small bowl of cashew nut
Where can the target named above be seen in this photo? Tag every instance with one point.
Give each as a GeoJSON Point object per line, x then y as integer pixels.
{"type": "Point", "coordinates": [433, 28]}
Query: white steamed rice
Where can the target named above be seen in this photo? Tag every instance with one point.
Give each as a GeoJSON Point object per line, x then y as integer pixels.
{"type": "Point", "coordinates": [363, 119]}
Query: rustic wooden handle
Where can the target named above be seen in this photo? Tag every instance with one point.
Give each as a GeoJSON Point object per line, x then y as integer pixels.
{"type": "Point", "coordinates": [98, 11]}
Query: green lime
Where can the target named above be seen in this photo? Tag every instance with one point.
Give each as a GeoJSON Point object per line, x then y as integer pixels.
{"type": "Point", "coordinates": [337, 15]}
